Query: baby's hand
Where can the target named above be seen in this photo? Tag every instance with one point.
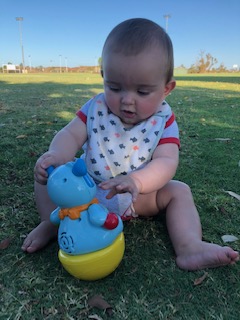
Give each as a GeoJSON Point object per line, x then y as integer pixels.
{"type": "Point", "coordinates": [46, 160]}
{"type": "Point", "coordinates": [121, 184]}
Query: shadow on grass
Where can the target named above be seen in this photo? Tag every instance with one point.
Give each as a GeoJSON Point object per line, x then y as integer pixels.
{"type": "Point", "coordinates": [67, 97]}
{"type": "Point", "coordinates": [30, 115]}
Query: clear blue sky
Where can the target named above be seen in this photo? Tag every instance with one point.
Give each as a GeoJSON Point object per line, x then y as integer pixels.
{"type": "Point", "coordinates": [76, 29]}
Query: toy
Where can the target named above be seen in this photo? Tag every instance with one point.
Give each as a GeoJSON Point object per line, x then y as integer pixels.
{"type": "Point", "coordinates": [90, 238]}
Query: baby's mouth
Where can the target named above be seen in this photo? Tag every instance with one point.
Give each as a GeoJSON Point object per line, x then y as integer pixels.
{"type": "Point", "coordinates": [128, 114]}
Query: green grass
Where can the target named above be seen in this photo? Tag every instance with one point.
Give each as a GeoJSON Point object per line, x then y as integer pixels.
{"type": "Point", "coordinates": [147, 284]}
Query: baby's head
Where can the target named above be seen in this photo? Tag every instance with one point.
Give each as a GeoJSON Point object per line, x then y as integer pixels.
{"type": "Point", "coordinates": [137, 35]}
{"type": "Point", "coordinates": [137, 68]}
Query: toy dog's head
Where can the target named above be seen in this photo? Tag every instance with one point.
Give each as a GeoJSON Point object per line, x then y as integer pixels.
{"type": "Point", "coordinates": [70, 185]}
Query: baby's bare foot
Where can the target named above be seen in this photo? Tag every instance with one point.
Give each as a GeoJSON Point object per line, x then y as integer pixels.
{"type": "Point", "coordinates": [39, 237]}
{"type": "Point", "coordinates": [206, 255]}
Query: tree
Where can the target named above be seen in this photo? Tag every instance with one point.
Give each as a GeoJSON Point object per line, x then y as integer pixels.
{"type": "Point", "coordinates": [221, 68]}
{"type": "Point", "coordinates": [204, 63]}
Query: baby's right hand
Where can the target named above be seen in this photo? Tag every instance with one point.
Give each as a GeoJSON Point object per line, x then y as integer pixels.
{"type": "Point", "coordinates": [46, 160]}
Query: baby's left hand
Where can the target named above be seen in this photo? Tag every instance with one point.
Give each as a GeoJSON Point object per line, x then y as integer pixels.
{"type": "Point", "coordinates": [121, 184]}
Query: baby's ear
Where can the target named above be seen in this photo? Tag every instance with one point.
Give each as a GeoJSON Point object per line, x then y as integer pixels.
{"type": "Point", "coordinates": [169, 87]}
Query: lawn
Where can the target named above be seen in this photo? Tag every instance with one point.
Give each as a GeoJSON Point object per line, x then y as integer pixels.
{"type": "Point", "coordinates": [147, 285]}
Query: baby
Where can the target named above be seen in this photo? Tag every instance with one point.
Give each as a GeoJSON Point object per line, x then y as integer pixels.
{"type": "Point", "coordinates": [131, 146]}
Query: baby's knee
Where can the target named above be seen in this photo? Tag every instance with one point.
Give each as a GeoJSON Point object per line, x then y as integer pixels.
{"type": "Point", "coordinates": [179, 188]}
{"type": "Point", "coordinates": [173, 191]}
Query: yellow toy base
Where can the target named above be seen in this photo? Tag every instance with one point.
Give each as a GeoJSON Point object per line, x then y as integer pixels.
{"type": "Point", "coordinates": [94, 265]}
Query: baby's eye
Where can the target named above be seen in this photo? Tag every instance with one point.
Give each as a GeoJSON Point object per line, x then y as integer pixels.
{"type": "Point", "coordinates": [115, 89]}
{"type": "Point", "coordinates": [143, 92]}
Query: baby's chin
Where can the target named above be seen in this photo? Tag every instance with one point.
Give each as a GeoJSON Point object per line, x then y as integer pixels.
{"type": "Point", "coordinates": [129, 124]}
{"type": "Point", "coordinates": [129, 121]}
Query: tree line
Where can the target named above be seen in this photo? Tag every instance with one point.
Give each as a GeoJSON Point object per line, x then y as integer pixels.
{"type": "Point", "coordinates": [205, 63]}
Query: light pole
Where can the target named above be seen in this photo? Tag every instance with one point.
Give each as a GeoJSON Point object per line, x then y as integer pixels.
{"type": "Point", "coordinates": [60, 62]}
{"type": "Point", "coordinates": [20, 19]}
{"type": "Point", "coordinates": [167, 16]}
{"type": "Point", "coordinates": [66, 64]}
{"type": "Point", "coordinates": [30, 62]}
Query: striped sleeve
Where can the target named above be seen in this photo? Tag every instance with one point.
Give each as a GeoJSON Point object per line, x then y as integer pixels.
{"type": "Point", "coordinates": [171, 132]}
{"type": "Point", "coordinates": [82, 116]}
{"type": "Point", "coordinates": [82, 113]}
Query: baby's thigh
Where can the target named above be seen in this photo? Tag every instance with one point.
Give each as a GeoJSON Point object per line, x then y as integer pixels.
{"type": "Point", "coordinates": [146, 205]}
{"type": "Point", "coordinates": [156, 202]}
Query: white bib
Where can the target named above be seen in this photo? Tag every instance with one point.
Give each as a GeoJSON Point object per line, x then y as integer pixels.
{"type": "Point", "coordinates": [112, 149]}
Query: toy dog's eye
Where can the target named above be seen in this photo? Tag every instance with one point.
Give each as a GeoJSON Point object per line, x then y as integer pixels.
{"type": "Point", "coordinates": [65, 180]}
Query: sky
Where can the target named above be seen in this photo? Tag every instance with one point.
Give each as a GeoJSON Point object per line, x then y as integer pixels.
{"type": "Point", "coordinates": [73, 32]}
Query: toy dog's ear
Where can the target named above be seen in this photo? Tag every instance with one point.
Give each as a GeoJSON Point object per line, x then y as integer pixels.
{"type": "Point", "coordinates": [80, 170]}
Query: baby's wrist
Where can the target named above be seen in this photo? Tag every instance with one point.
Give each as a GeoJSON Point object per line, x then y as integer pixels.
{"type": "Point", "coordinates": [137, 182]}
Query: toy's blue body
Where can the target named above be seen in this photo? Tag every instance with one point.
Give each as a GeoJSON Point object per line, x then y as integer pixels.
{"type": "Point", "coordinates": [70, 186]}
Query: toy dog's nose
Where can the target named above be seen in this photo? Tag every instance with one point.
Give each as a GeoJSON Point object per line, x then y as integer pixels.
{"type": "Point", "coordinates": [66, 242]}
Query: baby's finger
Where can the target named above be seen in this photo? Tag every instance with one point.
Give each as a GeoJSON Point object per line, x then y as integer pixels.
{"type": "Point", "coordinates": [40, 174]}
{"type": "Point", "coordinates": [128, 188]}
{"type": "Point", "coordinates": [46, 163]}
{"type": "Point", "coordinates": [111, 194]}
{"type": "Point", "coordinates": [40, 179]}
{"type": "Point", "coordinates": [134, 195]}
{"type": "Point", "coordinates": [124, 187]}
{"type": "Point", "coordinates": [106, 185]}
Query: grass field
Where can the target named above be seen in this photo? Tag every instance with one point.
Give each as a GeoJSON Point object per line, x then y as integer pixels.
{"type": "Point", "coordinates": [147, 285]}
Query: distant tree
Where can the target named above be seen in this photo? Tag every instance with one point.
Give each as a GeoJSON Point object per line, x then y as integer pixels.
{"type": "Point", "coordinates": [221, 68]}
{"type": "Point", "coordinates": [193, 69]}
{"type": "Point", "coordinates": [204, 63]}
{"type": "Point", "coordinates": [182, 66]}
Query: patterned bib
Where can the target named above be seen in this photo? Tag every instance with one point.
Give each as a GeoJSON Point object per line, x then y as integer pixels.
{"type": "Point", "coordinates": [112, 149]}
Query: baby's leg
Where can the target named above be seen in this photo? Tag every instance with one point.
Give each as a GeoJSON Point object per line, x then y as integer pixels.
{"type": "Point", "coordinates": [186, 233]}
{"type": "Point", "coordinates": [45, 231]}
{"type": "Point", "coordinates": [184, 227]}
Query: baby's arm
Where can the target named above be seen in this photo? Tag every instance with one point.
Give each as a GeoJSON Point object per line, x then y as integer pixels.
{"type": "Point", "coordinates": [62, 149]}
{"type": "Point", "coordinates": [158, 172]}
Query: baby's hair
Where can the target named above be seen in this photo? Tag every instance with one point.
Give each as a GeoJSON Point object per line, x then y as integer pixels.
{"type": "Point", "coordinates": [133, 36]}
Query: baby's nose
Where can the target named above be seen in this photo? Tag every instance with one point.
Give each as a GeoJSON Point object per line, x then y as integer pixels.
{"type": "Point", "coordinates": [127, 98]}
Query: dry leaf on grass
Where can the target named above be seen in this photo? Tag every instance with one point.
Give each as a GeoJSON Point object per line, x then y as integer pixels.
{"type": "Point", "coordinates": [21, 136]}
{"type": "Point", "coordinates": [229, 238]}
{"type": "Point", "coordinates": [94, 317]}
{"type": "Point", "coordinates": [221, 139]}
{"type": "Point", "coordinates": [233, 194]}
{"type": "Point", "coordinates": [200, 280]}
{"type": "Point", "coordinates": [98, 302]}
{"type": "Point", "coordinates": [4, 244]}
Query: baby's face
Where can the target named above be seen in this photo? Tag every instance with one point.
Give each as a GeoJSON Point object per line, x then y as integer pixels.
{"type": "Point", "coordinates": [134, 85]}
